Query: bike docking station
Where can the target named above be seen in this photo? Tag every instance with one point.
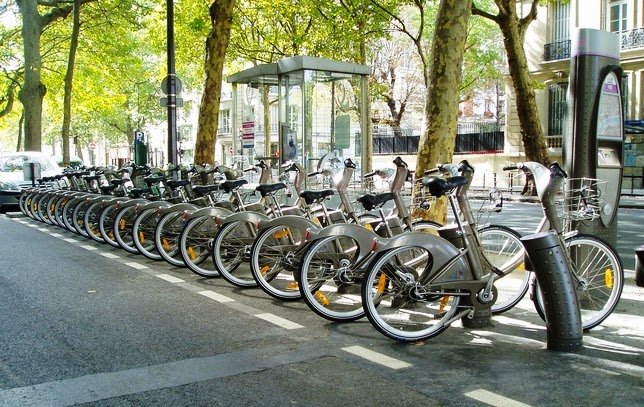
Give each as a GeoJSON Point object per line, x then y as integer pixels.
{"type": "Point", "coordinates": [31, 171]}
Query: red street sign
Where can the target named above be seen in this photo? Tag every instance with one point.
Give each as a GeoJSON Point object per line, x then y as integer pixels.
{"type": "Point", "coordinates": [92, 146]}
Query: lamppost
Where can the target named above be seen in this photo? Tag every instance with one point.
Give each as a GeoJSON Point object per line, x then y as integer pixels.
{"type": "Point", "coordinates": [171, 86]}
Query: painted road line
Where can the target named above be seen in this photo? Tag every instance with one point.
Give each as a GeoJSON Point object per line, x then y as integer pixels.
{"type": "Point", "coordinates": [110, 255]}
{"type": "Point", "coordinates": [55, 235]}
{"type": "Point", "coordinates": [494, 399]}
{"type": "Point", "coordinates": [169, 278]}
{"type": "Point", "coordinates": [71, 240]}
{"type": "Point", "coordinates": [43, 229]}
{"type": "Point", "coordinates": [135, 265]}
{"type": "Point", "coordinates": [217, 297]}
{"type": "Point", "coordinates": [88, 247]}
{"type": "Point", "coordinates": [279, 321]}
{"type": "Point", "coordinates": [32, 226]}
{"type": "Point", "coordinates": [376, 357]}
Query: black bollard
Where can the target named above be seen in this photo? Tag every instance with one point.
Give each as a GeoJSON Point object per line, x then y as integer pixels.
{"type": "Point", "coordinates": [561, 306]}
{"type": "Point", "coordinates": [639, 266]}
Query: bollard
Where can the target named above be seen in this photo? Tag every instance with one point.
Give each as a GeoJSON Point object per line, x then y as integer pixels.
{"type": "Point", "coordinates": [481, 318]}
{"type": "Point", "coordinates": [561, 307]}
{"type": "Point", "coordinates": [563, 319]}
{"type": "Point", "coordinates": [639, 266]}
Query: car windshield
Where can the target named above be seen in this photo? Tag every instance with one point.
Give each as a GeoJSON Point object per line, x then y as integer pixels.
{"type": "Point", "coordinates": [14, 162]}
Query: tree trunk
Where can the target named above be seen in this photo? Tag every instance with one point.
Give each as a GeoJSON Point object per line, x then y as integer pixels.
{"type": "Point", "coordinates": [221, 16]}
{"type": "Point", "coordinates": [33, 91]}
{"type": "Point", "coordinates": [526, 104]}
{"type": "Point", "coordinates": [69, 82]}
{"type": "Point", "coordinates": [441, 106]}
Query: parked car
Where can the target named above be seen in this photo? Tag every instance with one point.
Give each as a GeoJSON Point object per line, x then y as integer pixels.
{"type": "Point", "coordinates": [11, 164]}
{"type": "Point", "coordinates": [9, 194]}
{"type": "Point", "coordinates": [74, 161]}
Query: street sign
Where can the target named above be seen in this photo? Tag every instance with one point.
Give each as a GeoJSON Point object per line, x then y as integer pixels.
{"type": "Point", "coordinates": [178, 102]}
{"type": "Point", "coordinates": [165, 85]}
{"type": "Point", "coordinates": [139, 136]}
{"type": "Point", "coordinates": [248, 134]}
{"type": "Point", "coordinates": [91, 146]}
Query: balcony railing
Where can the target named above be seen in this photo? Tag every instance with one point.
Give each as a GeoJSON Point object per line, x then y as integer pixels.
{"type": "Point", "coordinates": [556, 50]}
{"type": "Point", "coordinates": [633, 38]}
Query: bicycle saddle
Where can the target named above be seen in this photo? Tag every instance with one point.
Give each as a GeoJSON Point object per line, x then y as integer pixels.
{"type": "Point", "coordinates": [120, 181]}
{"type": "Point", "coordinates": [229, 185]}
{"type": "Point", "coordinates": [371, 201]}
{"type": "Point", "coordinates": [204, 189]}
{"type": "Point", "coordinates": [439, 186]}
{"type": "Point", "coordinates": [315, 196]}
{"type": "Point", "coordinates": [174, 183]}
{"type": "Point", "coordinates": [266, 189]}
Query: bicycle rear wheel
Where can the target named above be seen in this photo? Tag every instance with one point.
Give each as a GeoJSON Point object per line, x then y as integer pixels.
{"type": "Point", "coordinates": [231, 251]}
{"type": "Point", "coordinates": [143, 233]}
{"type": "Point", "coordinates": [503, 248]}
{"type": "Point", "coordinates": [398, 305]}
{"type": "Point", "coordinates": [166, 237]}
{"type": "Point", "coordinates": [599, 276]}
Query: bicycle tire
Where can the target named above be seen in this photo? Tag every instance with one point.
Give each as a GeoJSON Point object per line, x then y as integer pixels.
{"type": "Point", "coordinates": [273, 261]}
{"type": "Point", "coordinates": [105, 224]}
{"type": "Point", "coordinates": [166, 237]}
{"type": "Point", "coordinates": [78, 217]}
{"type": "Point", "coordinates": [143, 234]}
{"type": "Point", "coordinates": [501, 245]}
{"type": "Point", "coordinates": [122, 226]}
{"type": "Point", "coordinates": [394, 301]}
{"type": "Point", "coordinates": [598, 265]}
{"type": "Point", "coordinates": [195, 244]}
{"type": "Point", "coordinates": [229, 252]}
{"type": "Point", "coordinates": [92, 214]}
{"type": "Point", "coordinates": [329, 279]}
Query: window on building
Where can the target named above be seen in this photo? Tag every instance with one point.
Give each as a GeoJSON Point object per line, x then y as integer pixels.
{"type": "Point", "coordinates": [557, 102]}
{"type": "Point", "coordinates": [560, 26]}
{"type": "Point", "coordinates": [617, 20]}
{"type": "Point", "coordinates": [224, 121]}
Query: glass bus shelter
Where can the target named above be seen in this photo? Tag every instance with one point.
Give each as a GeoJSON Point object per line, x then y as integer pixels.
{"type": "Point", "coordinates": [300, 109]}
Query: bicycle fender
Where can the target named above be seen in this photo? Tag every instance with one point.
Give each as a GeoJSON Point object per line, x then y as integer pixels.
{"type": "Point", "coordinates": [132, 202]}
{"type": "Point", "coordinates": [180, 207]}
{"type": "Point", "coordinates": [251, 217]}
{"type": "Point", "coordinates": [152, 205]}
{"type": "Point", "coordinates": [294, 221]}
{"type": "Point", "coordinates": [226, 205]}
{"type": "Point", "coordinates": [208, 212]}
{"type": "Point", "coordinates": [441, 250]}
{"type": "Point", "coordinates": [366, 238]}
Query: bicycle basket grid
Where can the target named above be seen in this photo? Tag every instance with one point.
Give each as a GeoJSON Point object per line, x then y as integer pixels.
{"type": "Point", "coordinates": [581, 199]}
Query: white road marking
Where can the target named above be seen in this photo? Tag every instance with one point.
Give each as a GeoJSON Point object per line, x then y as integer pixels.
{"type": "Point", "coordinates": [43, 229]}
{"type": "Point", "coordinates": [88, 247]}
{"type": "Point", "coordinates": [494, 399]}
{"type": "Point", "coordinates": [71, 240]}
{"type": "Point", "coordinates": [217, 297]}
{"type": "Point", "coordinates": [135, 265]}
{"type": "Point", "coordinates": [110, 255]}
{"type": "Point", "coordinates": [376, 357]}
{"type": "Point", "coordinates": [170, 279]}
{"type": "Point", "coordinates": [55, 235]}
{"type": "Point", "coordinates": [279, 321]}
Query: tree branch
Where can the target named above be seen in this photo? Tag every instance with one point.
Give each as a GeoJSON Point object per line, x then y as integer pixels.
{"type": "Point", "coordinates": [478, 12]}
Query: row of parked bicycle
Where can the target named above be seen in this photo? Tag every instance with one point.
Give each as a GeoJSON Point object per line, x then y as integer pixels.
{"type": "Point", "coordinates": [411, 278]}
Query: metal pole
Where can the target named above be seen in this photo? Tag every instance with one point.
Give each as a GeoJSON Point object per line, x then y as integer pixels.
{"type": "Point", "coordinates": [172, 93]}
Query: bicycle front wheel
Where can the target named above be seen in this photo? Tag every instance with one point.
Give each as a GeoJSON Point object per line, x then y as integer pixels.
{"type": "Point", "coordinates": [503, 249]}
{"type": "Point", "coordinates": [231, 251]}
{"type": "Point", "coordinates": [274, 259]}
{"type": "Point", "coordinates": [398, 305]}
{"type": "Point", "coordinates": [195, 244]}
{"type": "Point", "coordinates": [598, 275]}
{"type": "Point", "coordinates": [329, 278]}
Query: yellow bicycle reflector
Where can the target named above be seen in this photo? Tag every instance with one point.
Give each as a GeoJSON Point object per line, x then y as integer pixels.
{"type": "Point", "coordinates": [264, 270]}
{"type": "Point", "coordinates": [443, 303]}
{"type": "Point", "coordinates": [521, 267]}
{"type": "Point", "coordinates": [111, 235]}
{"type": "Point", "coordinates": [608, 277]}
{"type": "Point", "coordinates": [368, 226]}
{"type": "Point", "coordinates": [141, 239]}
{"type": "Point", "coordinates": [191, 253]}
{"type": "Point", "coordinates": [281, 234]}
{"type": "Point", "coordinates": [166, 244]}
{"type": "Point", "coordinates": [382, 281]}
{"type": "Point", "coordinates": [122, 224]}
{"type": "Point", "coordinates": [322, 298]}
{"type": "Point", "coordinates": [293, 286]}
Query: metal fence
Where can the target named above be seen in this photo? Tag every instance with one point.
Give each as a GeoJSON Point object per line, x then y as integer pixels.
{"type": "Point", "coordinates": [471, 138]}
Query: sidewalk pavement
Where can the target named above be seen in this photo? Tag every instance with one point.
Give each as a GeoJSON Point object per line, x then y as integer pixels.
{"type": "Point", "coordinates": [628, 200]}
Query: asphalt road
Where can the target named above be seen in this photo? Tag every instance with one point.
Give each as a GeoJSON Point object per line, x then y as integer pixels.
{"type": "Point", "coordinates": [84, 323]}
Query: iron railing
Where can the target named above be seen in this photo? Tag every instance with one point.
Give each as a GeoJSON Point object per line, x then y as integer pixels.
{"type": "Point", "coordinates": [633, 38]}
{"type": "Point", "coordinates": [556, 50]}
